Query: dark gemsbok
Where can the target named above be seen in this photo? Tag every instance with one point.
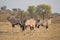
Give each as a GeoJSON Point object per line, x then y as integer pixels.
{"type": "Point", "coordinates": [15, 21]}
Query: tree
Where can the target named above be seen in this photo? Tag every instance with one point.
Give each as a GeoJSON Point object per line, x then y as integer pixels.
{"type": "Point", "coordinates": [14, 9]}
{"type": "Point", "coordinates": [43, 9]}
{"type": "Point", "coordinates": [18, 9]}
{"type": "Point", "coordinates": [31, 10]}
{"type": "Point", "coordinates": [3, 8]}
{"type": "Point", "coordinates": [20, 14]}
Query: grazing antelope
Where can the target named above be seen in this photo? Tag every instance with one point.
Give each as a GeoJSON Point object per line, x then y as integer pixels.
{"type": "Point", "coordinates": [31, 23]}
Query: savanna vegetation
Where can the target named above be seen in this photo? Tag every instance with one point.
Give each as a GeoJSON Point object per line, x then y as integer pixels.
{"type": "Point", "coordinates": [40, 11]}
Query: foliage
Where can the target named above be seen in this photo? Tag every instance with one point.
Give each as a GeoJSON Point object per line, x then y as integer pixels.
{"type": "Point", "coordinates": [3, 7]}
{"type": "Point", "coordinates": [40, 9]}
{"type": "Point", "coordinates": [31, 10]}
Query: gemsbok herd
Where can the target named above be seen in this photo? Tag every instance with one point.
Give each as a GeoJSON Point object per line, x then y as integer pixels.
{"type": "Point", "coordinates": [32, 23]}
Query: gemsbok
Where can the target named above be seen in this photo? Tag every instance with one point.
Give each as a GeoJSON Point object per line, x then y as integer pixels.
{"type": "Point", "coordinates": [30, 23]}
{"type": "Point", "coordinates": [15, 21]}
{"type": "Point", "coordinates": [45, 22]}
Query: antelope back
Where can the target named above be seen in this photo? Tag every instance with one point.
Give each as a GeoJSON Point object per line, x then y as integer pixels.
{"type": "Point", "coordinates": [31, 22]}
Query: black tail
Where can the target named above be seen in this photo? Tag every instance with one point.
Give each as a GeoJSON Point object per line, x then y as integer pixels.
{"type": "Point", "coordinates": [46, 27]}
{"type": "Point", "coordinates": [23, 27]}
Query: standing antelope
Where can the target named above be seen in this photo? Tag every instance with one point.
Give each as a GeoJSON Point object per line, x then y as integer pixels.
{"type": "Point", "coordinates": [15, 21]}
{"type": "Point", "coordinates": [45, 22]}
{"type": "Point", "coordinates": [31, 23]}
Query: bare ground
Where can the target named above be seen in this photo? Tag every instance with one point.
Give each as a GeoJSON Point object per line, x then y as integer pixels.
{"type": "Point", "coordinates": [53, 32]}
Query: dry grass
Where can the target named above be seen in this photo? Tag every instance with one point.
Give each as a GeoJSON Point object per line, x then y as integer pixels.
{"type": "Point", "coordinates": [6, 33]}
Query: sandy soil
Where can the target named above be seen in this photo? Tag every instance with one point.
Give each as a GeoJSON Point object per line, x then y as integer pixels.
{"type": "Point", "coordinates": [6, 33]}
